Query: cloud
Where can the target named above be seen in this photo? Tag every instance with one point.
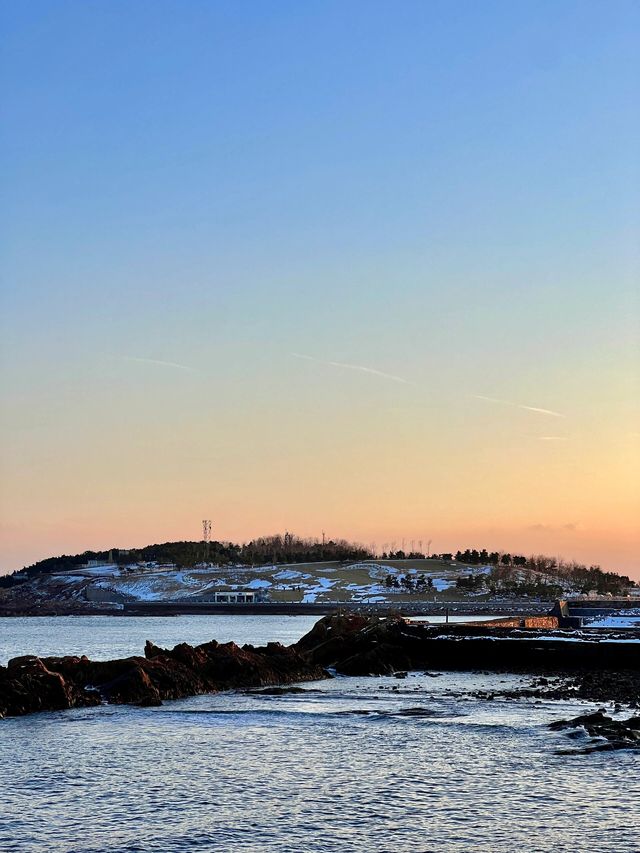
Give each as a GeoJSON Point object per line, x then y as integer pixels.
{"type": "Point", "coordinates": [553, 438]}
{"type": "Point", "coordinates": [159, 363]}
{"type": "Point", "coordinates": [552, 528]}
{"type": "Point", "coordinates": [357, 367]}
{"type": "Point", "coordinates": [536, 409]}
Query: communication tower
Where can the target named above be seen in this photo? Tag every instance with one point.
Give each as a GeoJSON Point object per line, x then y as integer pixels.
{"type": "Point", "coordinates": [206, 537]}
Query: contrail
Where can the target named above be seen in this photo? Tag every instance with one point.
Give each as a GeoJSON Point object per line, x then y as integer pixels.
{"type": "Point", "coordinates": [542, 411]}
{"type": "Point", "coordinates": [358, 367]}
{"type": "Point", "coordinates": [535, 409]}
{"type": "Point", "coordinates": [159, 362]}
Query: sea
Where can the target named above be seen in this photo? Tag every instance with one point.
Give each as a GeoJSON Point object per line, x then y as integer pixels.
{"type": "Point", "coordinates": [352, 765]}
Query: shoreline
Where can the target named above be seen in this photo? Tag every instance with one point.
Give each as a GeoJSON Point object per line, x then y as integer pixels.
{"type": "Point", "coordinates": [603, 666]}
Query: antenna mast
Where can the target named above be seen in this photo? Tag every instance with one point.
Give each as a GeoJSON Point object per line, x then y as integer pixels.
{"type": "Point", "coordinates": [206, 537]}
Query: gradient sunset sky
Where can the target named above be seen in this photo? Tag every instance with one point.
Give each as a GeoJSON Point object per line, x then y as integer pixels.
{"type": "Point", "coordinates": [362, 267]}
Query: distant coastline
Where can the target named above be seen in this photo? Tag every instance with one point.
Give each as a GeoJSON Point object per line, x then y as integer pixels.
{"type": "Point", "coordinates": [303, 577]}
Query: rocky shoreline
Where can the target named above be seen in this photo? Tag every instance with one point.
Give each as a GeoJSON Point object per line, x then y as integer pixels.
{"type": "Point", "coordinates": [603, 669]}
{"type": "Point", "coordinates": [29, 684]}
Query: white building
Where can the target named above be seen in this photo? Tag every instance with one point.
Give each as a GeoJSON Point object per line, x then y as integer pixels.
{"type": "Point", "coordinates": [239, 597]}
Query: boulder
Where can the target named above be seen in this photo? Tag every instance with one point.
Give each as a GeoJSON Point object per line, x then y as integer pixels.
{"type": "Point", "coordinates": [28, 685]}
{"type": "Point", "coordinates": [617, 734]}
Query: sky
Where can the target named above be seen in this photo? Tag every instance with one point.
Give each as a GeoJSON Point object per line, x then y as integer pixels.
{"type": "Point", "coordinates": [368, 268]}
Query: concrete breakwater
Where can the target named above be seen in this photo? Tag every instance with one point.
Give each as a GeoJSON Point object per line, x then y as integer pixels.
{"type": "Point", "coordinates": [349, 644]}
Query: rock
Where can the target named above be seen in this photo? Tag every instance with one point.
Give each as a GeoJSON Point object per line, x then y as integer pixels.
{"type": "Point", "coordinates": [619, 734]}
{"type": "Point", "coordinates": [132, 686]}
{"type": "Point", "coordinates": [359, 645]}
{"type": "Point", "coordinates": [351, 644]}
{"type": "Point", "coordinates": [30, 684]}
{"type": "Point", "coordinates": [586, 720]}
{"type": "Point", "coordinates": [622, 686]}
{"type": "Point", "coordinates": [278, 691]}
{"type": "Point", "coordinates": [416, 712]}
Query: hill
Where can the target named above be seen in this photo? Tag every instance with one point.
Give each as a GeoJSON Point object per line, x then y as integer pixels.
{"type": "Point", "coordinates": [285, 548]}
{"type": "Point", "coordinates": [298, 571]}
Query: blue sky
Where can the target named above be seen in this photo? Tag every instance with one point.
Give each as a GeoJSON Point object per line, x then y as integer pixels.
{"type": "Point", "coordinates": [443, 192]}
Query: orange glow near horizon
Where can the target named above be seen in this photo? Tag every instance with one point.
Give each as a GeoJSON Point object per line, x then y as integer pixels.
{"type": "Point", "coordinates": [384, 465]}
{"type": "Point", "coordinates": [366, 289]}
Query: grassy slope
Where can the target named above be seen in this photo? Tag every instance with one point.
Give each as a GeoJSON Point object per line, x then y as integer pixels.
{"type": "Point", "coordinates": [297, 582]}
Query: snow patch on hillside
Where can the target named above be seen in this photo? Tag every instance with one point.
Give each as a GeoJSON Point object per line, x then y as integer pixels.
{"type": "Point", "coordinates": [322, 585]}
{"type": "Point", "coordinates": [258, 584]}
{"type": "Point", "coordinates": [287, 575]}
{"type": "Point", "coordinates": [440, 584]}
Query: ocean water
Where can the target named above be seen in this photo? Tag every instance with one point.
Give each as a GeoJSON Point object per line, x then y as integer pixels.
{"type": "Point", "coordinates": [341, 768]}
{"type": "Point", "coordinates": [106, 637]}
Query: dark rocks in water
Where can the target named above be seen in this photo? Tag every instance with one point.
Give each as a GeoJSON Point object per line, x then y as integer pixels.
{"type": "Point", "coordinates": [616, 734]}
{"type": "Point", "coordinates": [27, 684]}
{"type": "Point", "coordinates": [427, 713]}
{"type": "Point", "coordinates": [354, 644]}
{"type": "Point", "coordinates": [241, 667]}
{"type": "Point", "coordinates": [31, 684]}
{"type": "Point", "coordinates": [622, 686]}
{"type": "Point", "coordinates": [278, 691]}
{"type": "Point", "coordinates": [378, 660]}
{"type": "Point", "coordinates": [416, 712]}
{"type": "Point", "coordinates": [358, 645]}
{"type": "Point", "coordinates": [597, 718]}
{"type": "Point", "coordinates": [351, 644]}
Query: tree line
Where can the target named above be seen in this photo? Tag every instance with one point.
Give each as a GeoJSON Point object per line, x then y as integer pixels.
{"type": "Point", "coordinates": [407, 582]}
{"type": "Point", "coordinates": [289, 548]}
{"type": "Point", "coordinates": [279, 548]}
